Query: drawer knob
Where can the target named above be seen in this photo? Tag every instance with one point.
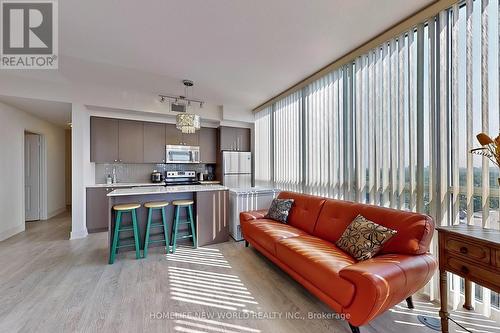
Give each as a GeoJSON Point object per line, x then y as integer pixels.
{"type": "Point", "coordinates": [464, 270]}
{"type": "Point", "coordinates": [463, 250]}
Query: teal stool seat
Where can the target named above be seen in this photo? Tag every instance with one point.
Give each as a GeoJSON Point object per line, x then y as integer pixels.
{"type": "Point", "coordinates": [188, 205]}
{"type": "Point", "coordinates": [116, 242]}
{"type": "Point", "coordinates": [160, 205]}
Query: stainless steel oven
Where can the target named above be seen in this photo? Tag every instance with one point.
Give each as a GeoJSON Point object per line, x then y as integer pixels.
{"type": "Point", "coordinates": [182, 154]}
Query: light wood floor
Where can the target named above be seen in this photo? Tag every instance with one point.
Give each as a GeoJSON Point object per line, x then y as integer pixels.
{"type": "Point", "coordinates": [51, 284]}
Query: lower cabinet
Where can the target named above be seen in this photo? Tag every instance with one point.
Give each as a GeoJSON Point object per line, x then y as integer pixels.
{"type": "Point", "coordinates": [212, 217]}
{"type": "Point", "coordinates": [97, 209]}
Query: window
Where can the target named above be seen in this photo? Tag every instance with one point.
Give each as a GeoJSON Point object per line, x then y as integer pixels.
{"type": "Point", "coordinates": [394, 126]}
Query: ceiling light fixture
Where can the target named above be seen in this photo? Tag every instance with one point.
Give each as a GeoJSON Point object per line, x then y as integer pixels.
{"type": "Point", "coordinates": [185, 122]}
{"type": "Point", "coordinates": [180, 98]}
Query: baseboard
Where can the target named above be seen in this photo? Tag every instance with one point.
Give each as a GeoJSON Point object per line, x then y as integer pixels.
{"type": "Point", "coordinates": [78, 234]}
{"type": "Point", "coordinates": [56, 212]}
{"type": "Point", "coordinates": [11, 232]}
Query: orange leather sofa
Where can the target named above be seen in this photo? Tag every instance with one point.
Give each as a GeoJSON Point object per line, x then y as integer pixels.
{"type": "Point", "coordinates": [305, 249]}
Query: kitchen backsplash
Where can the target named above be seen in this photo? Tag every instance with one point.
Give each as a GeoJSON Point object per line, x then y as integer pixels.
{"type": "Point", "coordinates": [140, 173]}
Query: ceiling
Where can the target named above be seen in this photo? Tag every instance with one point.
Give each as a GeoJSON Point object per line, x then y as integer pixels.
{"type": "Point", "coordinates": [237, 52]}
{"type": "Point", "coordinates": [55, 112]}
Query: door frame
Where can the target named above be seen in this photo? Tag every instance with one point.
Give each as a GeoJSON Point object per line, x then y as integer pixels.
{"type": "Point", "coordinates": [43, 176]}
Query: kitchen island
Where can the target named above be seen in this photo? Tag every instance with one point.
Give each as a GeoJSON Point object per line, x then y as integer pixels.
{"type": "Point", "coordinates": [210, 209]}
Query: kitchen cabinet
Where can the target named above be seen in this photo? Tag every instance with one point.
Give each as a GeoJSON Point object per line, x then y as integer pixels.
{"type": "Point", "coordinates": [97, 209]}
{"type": "Point", "coordinates": [103, 140]}
{"type": "Point", "coordinates": [232, 138]}
{"type": "Point", "coordinates": [208, 145]}
{"type": "Point", "coordinates": [130, 141]}
{"type": "Point", "coordinates": [154, 143]}
{"type": "Point", "coordinates": [212, 217]}
{"type": "Point", "coordinates": [176, 137]}
{"type": "Point", "coordinates": [243, 139]}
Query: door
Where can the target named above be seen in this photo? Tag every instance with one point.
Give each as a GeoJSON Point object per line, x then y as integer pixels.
{"type": "Point", "coordinates": [154, 143]}
{"type": "Point", "coordinates": [245, 162]}
{"type": "Point", "coordinates": [130, 141]}
{"type": "Point", "coordinates": [190, 139]}
{"type": "Point", "coordinates": [237, 181]}
{"type": "Point", "coordinates": [230, 162]}
{"type": "Point", "coordinates": [32, 176]}
{"type": "Point", "coordinates": [103, 140]}
{"type": "Point", "coordinates": [243, 139]}
{"type": "Point", "coordinates": [227, 137]}
{"type": "Point", "coordinates": [173, 135]}
{"type": "Point", "coordinates": [208, 145]}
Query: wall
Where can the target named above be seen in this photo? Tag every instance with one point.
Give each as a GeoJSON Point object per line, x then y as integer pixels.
{"type": "Point", "coordinates": [68, 166]}
{"type": "Point", "coordinates": [13, 123]}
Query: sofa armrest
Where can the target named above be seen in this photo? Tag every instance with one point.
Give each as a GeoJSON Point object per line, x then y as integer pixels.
{"type": "Point", "coordinates": [384, 281]}
{"type": "Point", "coordinates": [252, 215]}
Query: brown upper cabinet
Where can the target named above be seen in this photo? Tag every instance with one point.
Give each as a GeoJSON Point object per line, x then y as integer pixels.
{"type": "Point", "coordinates": [208, 145]}
{"type": "Point", "coordinates": [130, 141]}
{"type": "Point", "coordinates": [116, 140]}
{"type": "Point", "coordinates": [232, 138]}
{"type": "Point", "coordinates": [103, 140]}
{"type": "Point", "coordinates": [154, 143]}
{"type": "Point", "coordinates": [176, 137]}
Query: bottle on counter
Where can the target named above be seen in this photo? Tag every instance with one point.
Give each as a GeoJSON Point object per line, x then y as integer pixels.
{"type": "Point", "coordinates": [109, 180]}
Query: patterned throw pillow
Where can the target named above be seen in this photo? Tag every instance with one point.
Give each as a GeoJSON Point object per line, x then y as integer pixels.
{"type": "Point", "coordinates": [279, 210]}
{"type": "Point", "coordinates": [363, 238]}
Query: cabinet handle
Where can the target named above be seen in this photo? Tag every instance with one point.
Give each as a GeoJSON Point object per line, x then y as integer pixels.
{"type": "Point", "coordinates": [463, 250]}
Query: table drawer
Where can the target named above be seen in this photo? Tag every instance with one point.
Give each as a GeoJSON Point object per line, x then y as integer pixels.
{"type": "Point", "coordinates": [469, 271]}
{"type": "Point", "coordinates": [468, 250]}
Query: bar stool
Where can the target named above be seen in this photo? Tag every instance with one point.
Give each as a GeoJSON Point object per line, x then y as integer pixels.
{"type": "Point", "coordinates": [188, 205]}
{"type": "Point", "coordinates": [123, 209]}
{"type": "Point", "coordinates": [159, 205]}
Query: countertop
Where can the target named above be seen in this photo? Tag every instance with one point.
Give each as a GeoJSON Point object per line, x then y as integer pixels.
{"type": "Point", "coordinates": [165, 190]}
{"type": "Point", "coordinates": [115, 185]}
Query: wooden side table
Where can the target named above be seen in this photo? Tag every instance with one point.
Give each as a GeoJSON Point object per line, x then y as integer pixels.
{"type": "Point", "coordinates": [472, 253]}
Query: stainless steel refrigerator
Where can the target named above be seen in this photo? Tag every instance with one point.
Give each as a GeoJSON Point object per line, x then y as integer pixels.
{"type": "Point", "coordinates": [237, 169]}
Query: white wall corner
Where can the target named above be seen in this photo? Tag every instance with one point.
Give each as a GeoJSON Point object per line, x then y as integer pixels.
{"type": "Point", "coordinates": [81, 168]}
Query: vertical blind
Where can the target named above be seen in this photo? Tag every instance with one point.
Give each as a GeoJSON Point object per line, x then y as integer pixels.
{"type": "Point", "coordinates": [394, 127]}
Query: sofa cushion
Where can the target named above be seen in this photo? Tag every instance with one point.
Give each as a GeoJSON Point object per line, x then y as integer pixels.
{"type": "Point", "coordinates": [319, 262]}
{"type": "Point", "coordinates": [279, 210]}
{"type": "Point", "coordinates": [334, 218]}
{"type": "Point", "coordinates": [305, 210]}
{"type": "Point", "coordinates": [267, 232]}
{"type": "Point", "coordinates": [363, 238]}
{"type": "Point", "coordinates": [414, 230]}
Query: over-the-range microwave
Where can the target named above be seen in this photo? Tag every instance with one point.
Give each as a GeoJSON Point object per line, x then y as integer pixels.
{"type": "Point", "coordinates": [182, 154]}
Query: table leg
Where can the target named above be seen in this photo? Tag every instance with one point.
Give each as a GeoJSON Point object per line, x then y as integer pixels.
{"type": "Point", "coordinates": [443, 291]}
{"type": "Point", "coordinates": [468, 295]}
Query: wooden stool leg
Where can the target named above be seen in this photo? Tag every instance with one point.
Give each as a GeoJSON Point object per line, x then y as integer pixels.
{"type": "Point", "coordinates": [176, 223]}
{"type": "Point", "coordinates": [148, 227]}
{"type": "Point", "coordinates": [116, 234]}
{"type": "Point", "coordinates": [191, 220]}
{"type": "Point", "coordinates": [165, 230]}
{"type": "Point", "coordinates": [136, 235]}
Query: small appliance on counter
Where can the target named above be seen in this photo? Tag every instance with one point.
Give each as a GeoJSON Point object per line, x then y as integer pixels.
{"type": "Point", "coordinates": [174, 178]}
{"type": "Point", "coordinates": [246, 199]}
{"type": "Point", "coordinates": [156, 177]}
